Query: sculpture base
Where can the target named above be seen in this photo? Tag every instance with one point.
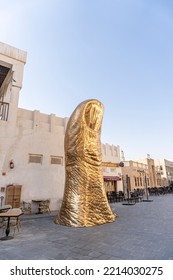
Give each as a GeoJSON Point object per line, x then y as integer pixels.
{"type": "Point", "coordinates": [6, 238]}
{"type": "Point", "coordinates": [87, 223]}
{"type": "Point", "coordinates": [130, 203]}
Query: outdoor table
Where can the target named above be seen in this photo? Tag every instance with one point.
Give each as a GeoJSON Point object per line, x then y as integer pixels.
{"type": "Point", "coordinates": [4, 208]}
{"type": "Point", "coordinates": [38, 201]}
{"type": "Point", "coordinates": [140, 197]}
{"type": "Point", "coordinates": [137, 198]}
{"type": "Point", "coordinates": [12, 213]}
{"type": "Point", "coordinates": [129, 201]}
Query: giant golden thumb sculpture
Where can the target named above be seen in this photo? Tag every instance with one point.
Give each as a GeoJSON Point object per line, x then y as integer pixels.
{"type": "Point", "coordinates": [84, 203]}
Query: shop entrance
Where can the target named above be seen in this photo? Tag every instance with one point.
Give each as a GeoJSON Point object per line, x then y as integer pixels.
{"type": "Point", "coordinates": [13, 195]}
{"type": "Point", "coordinates": [110, 186]}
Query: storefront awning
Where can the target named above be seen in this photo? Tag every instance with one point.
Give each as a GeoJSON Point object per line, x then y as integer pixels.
{"type": "Point", "coordinates": [111, 178]}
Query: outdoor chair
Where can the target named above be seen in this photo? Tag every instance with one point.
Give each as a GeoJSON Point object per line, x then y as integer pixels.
{"type": "Point", "coordinates": [15, 222]}
{"type": "Point", "coordinates": [136, 197]}
{"type": "Point", "coordinates": [121, 196]}
{"type": "Point", "coordinates": [26, 207]}
{"type": "Point", "coordinates": [118, 196]}
{"type": "Point", "coordinates": [109, 196]}
{"type": "Point", "coordinates": [1, 199]}
{"type": "Point", "coordinates": [44, 206]}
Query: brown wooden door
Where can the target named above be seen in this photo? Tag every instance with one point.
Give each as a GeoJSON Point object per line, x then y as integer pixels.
{"type": "Point", "coordinates": [13, 195]}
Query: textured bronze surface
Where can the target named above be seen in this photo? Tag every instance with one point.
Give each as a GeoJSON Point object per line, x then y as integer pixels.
{"type": "Point", "coordinates": [84, 202]}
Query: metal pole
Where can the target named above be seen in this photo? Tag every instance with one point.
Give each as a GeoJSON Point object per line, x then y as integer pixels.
{"type": "Point", "coordinates": [128, 194]}
{"type": "Point", "coordinates": [146, 186]}
{"type": "Point", "coordinates": [127, 184]}
{"type": "Point", "coordinates": [146, 189]}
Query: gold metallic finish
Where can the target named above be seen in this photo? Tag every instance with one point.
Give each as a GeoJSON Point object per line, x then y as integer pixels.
{"type": "Point", "coordinates": [84, 203]}
{"type": "Point", "coordinates": [110, 164]}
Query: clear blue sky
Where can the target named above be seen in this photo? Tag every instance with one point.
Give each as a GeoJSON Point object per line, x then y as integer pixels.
{"type": "Point", "coordinates": [117, 51]}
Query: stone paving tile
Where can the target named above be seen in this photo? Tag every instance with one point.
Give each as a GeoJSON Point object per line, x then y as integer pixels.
{"type": "Point", "coordinates": [142, 231]}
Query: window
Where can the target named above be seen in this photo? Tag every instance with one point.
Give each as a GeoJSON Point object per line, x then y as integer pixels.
{"type": "Point", "coordinates": [140, 181]}
{"type": "Point", "coordinates": [56, 160]}
{"type": "Point", "coordinates": [35, 158]}
{"type": "Point", "coordinates": [135, 181]}
{"type": "Point", "coordinates": [4, 109]}
{"type": "Point", "coordinates": [115, 151]}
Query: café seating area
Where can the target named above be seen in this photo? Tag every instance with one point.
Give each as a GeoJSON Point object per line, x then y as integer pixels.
{"type": "Point", "coordinates": [160, 190]}
{"type": "Point", "coordinates": [14, 221]}
{"type": "Point", "coordinates": [38, 206]}
{"type": "Point", "coordinates": [9, 218]}
{"type": "Point", "coordinates": [135, 196]}
{"type": "Point", "coordinates": [115, 196]}
{"type": "Point", "coordinates": [42, 206]}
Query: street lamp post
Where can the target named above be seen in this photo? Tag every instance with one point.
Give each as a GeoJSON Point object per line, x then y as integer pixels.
{"type": "Point", "coordinates": [146, 190]}
{"type": "Point", "coordinates": [128, 193]}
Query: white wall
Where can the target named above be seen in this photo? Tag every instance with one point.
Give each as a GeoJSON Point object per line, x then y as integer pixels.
{"type": "Point", "coordinates": [35, 134]}
{"type": "Point", "coordinates": [112, 153]}
{"type": "Point", "coordinates": [38, 133]}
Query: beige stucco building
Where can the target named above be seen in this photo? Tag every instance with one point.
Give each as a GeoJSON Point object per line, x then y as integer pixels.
{"type": "Point", "coordinates": [165, 167]}
{"type": "Point", "coordinates": [136, 175]}
{"type": "Point", "coordinates": [32, 143]}
{"type": "Point", "coordinates": [112, 170]}
{"type": "Point", "coordinates": [152, 180]}
{"type": "Point", "coordinates": [147, 172]}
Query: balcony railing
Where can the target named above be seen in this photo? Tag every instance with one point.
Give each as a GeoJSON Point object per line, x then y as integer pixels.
{"type": "Point", "coordinates": [4, 108]}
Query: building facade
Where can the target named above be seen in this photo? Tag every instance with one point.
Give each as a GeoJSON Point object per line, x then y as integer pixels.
{"type": "Point", "coordinates": [152, 175]}
{"type": "Point", "coordinates": [135, 176]}
{"type": "Point", "coordinates": [165, 167]}
{"type": "Point", "coordinates": [141, 174]}
{"type": "Point", "coordinates": [112, 167]}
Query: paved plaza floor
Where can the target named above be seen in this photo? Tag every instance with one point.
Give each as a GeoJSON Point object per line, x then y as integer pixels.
{"type": "Point", "coordinates": [143, 231]}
